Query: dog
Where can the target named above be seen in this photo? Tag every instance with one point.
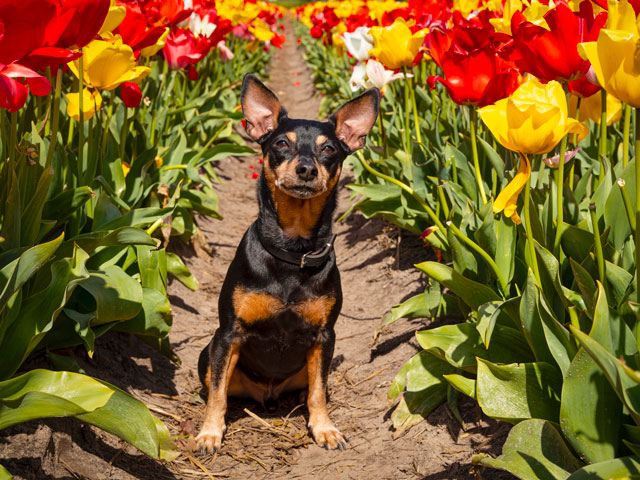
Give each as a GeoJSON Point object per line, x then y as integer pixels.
{"type": "Point", "coordinates": [281, 296]}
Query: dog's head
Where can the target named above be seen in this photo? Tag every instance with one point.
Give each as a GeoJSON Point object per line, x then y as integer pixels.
{"type": "Point", "coordinates": [303, 158]}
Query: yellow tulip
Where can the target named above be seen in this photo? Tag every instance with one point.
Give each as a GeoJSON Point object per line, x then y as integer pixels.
{"type": "Point", "coordinates": [533, 119]}
{"type": "Point", "coordinates": [615, 56]}
{"type": "Point", "coordinates": [507, 199]}
{"type": "Point", "coordinates": [395, 46]}
{"type": "Point", "coordinates": [126, 168]}
{"type": "Point", "coordinates": [260, 29]}
{"type": "Point", "coordinates": [533, 12]}
{"type": "Point", "coordinates": [114, 18]}
{"type": "Point", "coordinates": [465, 6]}
{"type": "Point", "coordinates": [91, 101]}
{"type": "Point", "coordinates": [107, 64]}
{"type": "Point", "coordinates": [591, 108]}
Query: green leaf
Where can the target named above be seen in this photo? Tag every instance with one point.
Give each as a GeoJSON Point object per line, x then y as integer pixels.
{"type": "Point", "coordinates": [518, 391]}
{"type": "Point", "coordinates": [557, 337]}
{"type": "Point", "coordinates": [534, 450]}
{"type": "Point", "coordinates": [89, 242]}
{"type": "Point", "coordinates": [624, 468]}
{"type": "Point", "coordinates": [33, 211]}
{"type": "Point", "coordinates": [586, 284]}
{"type": "Point", "coordinates": [494, 158]}
{"type": "Point", "coordinates": [178, 269]}
{"type": "Point", "coordinates": [506, 236]}
{"type": "Point", "coordinates": [5, 474]}
{"type": "Point", "coordinates": [11, 223]}
{"type": "Point", "coordinates": [464, 262]}
{"type": "Point", "coordinates": [462, 384]}
{"type": "Point", "coordinates": [423, 386]}
{"type": "Point", "coordinates": [472, 293]}
{"type": "Point", "coordinates": [460, 344]}
{"type": "Point", "coordinates": [377, 191]}
{"type": "Point", "coordinates": [16, 273]}
{"type": "Point", "coordinates": [224, 150]}
{"type": "Point", "coordinates": [139, 217]}
{"type": "Point", "coordinates": [38, 312]}
{"type": "Point", "coordinates": [63, 205]}
{"type": "Point", "coordinates": [152, 264]}
{"type": "Point", "coordinates": [590, 413]}
{"type": "Point", "coordinates": [43, 393]}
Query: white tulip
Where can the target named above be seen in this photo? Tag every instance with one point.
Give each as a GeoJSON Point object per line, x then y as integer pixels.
{"type": "Point", "coordinates": [358, 43]}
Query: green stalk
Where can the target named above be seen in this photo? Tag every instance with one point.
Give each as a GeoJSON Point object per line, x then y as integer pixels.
{"type": "Point", "coordinates": [81, 166]}
{"type": "Point", "coordinates": [625, 138]}
{"type": "Point", "coordinates": [406, 188]}
{"type": "Point", "coordinates": [123, 134]}
{"type": "Point", "coordinates": [473, 119]}
{"type": "Point", "coordinates": [560, 196]}
{"type": "Point", "coordinates": [575, 141]}
{"type": "Point", "coordinates": [455, 123]}
{"type": "Point", "coordinates": [528, 230]}
{"type": "Point", "coordinates": [483, 254]}
{"type": "Point", "coordinates": [55, 118]}
{"type": "Point", "coordinates": [416, 118]}
{"type": "Point", "coordinates": [598, 245]}
{"type": "Point", "coordinates": [383, 134]}
{"type": "Point", "coordinates": [627, 204]}
{"type": "Point", "coordinates": [407, 117]}
{"type": "Point", "coordinates": [637, 237]}
{"type": "Point", "coordinates": [602, 145]}
{"type": "Point", "coordinates": [443, 201]}
{"type": "Point", "coordinates": [13, 138]}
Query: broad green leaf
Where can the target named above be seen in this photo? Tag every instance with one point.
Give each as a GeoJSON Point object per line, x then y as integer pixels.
{"type": "Point", "coordinates": [590, 412]}
{"type": "Point", "coordinates": [586, 284]}
{"type": "Point", "coordinates": [462, 384]}
{"type": "Point", "coordinates": [472, 293]}
{"type": "Point", "coordinates": [558, 338]}
{"type": "Point", "coordinates": [534, 450]}
{"type": "Point", "coordinates": [130, 420]}
{"type": "Point", "coordinates": [460, 344]}
{"type": "Point", "coordinates": [105, 212]}
{"type": "Point", "coordinates": [177, 268]}
{"type": "Point", "coordinates": [619, 280]}
{"type": "Point", "coordinates": [379, 192]}
{"type": "Point", "coordinates": [38, 312]}
{"type": "Point", "coordinates": [11, 223]}
{"type": "Point", "coordinates": [89, 242]}
{"type": "Point", "coordinates": [530, 319]}
{"type": "Point", "coordinates": [139, 217]}
{"type": "Point", "coordinates": [576, 242]}
{"type": "Point", "coordinates": [62, 206]}
{"type": "Point", "coordinates": [423, 386]}
{"type": "Point", "coordinates": [506, 236]}
{"type": "Point", "coordinates": [43, 393]}
{"type": "Point", "coordinates": [488, 315]}
{"type": "Point", "coordinates": [33, 211]}
{"type": "Point", "coordinates": [224, 150]}
{"type": "Point", "coordinates": [613, 370]}
{"type": "Point", "coordinates": [152, 264]}
{"type": "Point", "coordinates": [16, 273]}
{"type": "Point", "coordinates": [117, 296]}
{"type": "Point", "coordinates": [624, 468]}
{"type": "Point", "coordinates": [5, 474]}
{"type": "Point", "coordinates": [464, 262]}
{"type": "Point", "coordinates": [519, 391]}
{"type": "Point", "coordinates": [494, 158]}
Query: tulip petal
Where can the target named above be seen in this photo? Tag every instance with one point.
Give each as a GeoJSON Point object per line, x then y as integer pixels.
{"type": "Point", "coordinates": [91, 102]}
{"type": "Point", "coordinates": [507, 200]}
{"type": "Point", "coordinates": [495, 118]}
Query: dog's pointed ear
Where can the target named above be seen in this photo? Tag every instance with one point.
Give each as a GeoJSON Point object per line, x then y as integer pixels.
{"type": "Point", "coordinates": [261, 108]}
{"type": "Point", "coordinates": [355, 119]}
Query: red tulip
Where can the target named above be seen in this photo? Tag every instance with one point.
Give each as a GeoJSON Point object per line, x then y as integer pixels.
{"type": "Point", "coordinates": [182, 48]}
{"type": "Point", "coordinates": [135, 30]}
{"type": "Point", "coordinates": [583, 87]}
{"type": "Point", "coordinates": [86, 19]}
{"type": "Point", "coordinates": [192, 73]}
{"type": "Point", "coordinates": [25, 24]}
{"type": "Point", "coordinates": [13, 93]}
{"type": "Point", "coordinates": [477, 78]}
{"type": "Point", "coordinates": [131, 94]}
{"type": "Point", "coordinates": [553, 54]}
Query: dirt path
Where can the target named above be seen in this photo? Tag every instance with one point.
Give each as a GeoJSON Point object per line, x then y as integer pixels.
{"type": "Point", "coordinates": [376, 265]}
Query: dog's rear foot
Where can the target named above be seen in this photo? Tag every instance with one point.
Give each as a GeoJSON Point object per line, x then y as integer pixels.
{"type": "Point", "coordinates": [328, 436]}
{"type": "Point", "coordinates": [209, 440]}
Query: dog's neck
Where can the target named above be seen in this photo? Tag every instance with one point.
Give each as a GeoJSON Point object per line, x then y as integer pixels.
{"type": "Point", "coordinates": [294, 224]}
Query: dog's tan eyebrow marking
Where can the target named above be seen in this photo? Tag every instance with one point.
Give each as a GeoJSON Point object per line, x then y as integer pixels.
{"type": "Point", "coordinates": [252, 306]}
{"type": "Point", "coordinates": [321, 139]}
{"type": "Point", "coordinates": [292, 136]}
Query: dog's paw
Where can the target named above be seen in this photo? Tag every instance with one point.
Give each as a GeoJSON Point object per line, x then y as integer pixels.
{"type": "Point", "coordinates": [328, 436]}
{"type": "Point", "coordinates": [209, 440]}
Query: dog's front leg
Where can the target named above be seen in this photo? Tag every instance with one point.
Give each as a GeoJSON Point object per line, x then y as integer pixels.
{"type": "Point", "coordinates": [223, 357]}
{"type": "Point", "coordinates": [318, 363]}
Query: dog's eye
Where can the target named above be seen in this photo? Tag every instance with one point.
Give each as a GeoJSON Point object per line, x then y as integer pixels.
{"type": "Point", "coordinates": [328, 149]}
{"type": "Point", "coordinates": [282, 144]}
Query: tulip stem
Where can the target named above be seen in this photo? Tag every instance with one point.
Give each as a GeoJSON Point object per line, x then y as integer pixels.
{"type": "Point", "coordinates": [383, 135]}
{"type": "Point", "coordinates": [13, 137]}
{"type": "Point", "coordinates": [55, 118]}
{"type": "Point", "coordinates": [407, 117]}
{"type": "Point", "coordinates": [560, 196]}
{"type": "Point", "coordinates": [416, 118]}
{"type": "Point", "coordinates": [487, 258]}
{"type": "Point", "coordinates": [602, 146]}
{"type": "Point", "coordinates": [123, 134]}
{"type": "Point", "coordinates": [406, 188]}
{"type": "Point", "coordinates": [625, 137]}
{"type": "Point", "coordinates": [575, 142]}
{"type": "Point", "coordinates": [598, 244]}
{"type": "Point", "coordinates": [81, 167]}
{"type": "Point", "coordinates": [473, 119]}
{"type": "Point", "coordinates": [637, 237]}
{"type": "Point", "coordinates": [529, 230]}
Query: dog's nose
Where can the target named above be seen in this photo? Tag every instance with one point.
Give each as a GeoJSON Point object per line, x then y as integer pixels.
{"type": "Point", "coordinates": [307, 171]}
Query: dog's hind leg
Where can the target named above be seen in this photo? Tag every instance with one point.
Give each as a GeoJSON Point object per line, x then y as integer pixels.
{"type": "Point", "coordinates": [223, 357]}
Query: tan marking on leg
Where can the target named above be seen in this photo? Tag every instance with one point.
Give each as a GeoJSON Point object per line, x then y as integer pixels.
{"type": "Point", "coordinates": [295, 382]}
{"type": "Point", "coordinates": [207, 378]}
{"type": "Point", "coordinates": [252, 306]}
{"type": "Point", "coordinates": [210, 437]}
{"type": "Point", "coordinates": [321, 139]}
{"type": "Point", "coordinates": [292, 136]}
{"type": "Point", "coordinates": [316, 310]}
{"type": "Point", "coordinates": [324, 432]}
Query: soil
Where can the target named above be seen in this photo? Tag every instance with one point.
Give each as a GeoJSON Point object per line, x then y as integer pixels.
{"type": "Point", "coordinates": [376, 263]}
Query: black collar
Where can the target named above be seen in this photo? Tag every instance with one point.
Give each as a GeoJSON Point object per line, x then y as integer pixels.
{"type": "Point", "coordinates": [310, 259]}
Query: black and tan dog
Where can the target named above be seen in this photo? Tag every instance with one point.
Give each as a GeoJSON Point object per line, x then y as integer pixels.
{"type": "Point", "coordinates": [282, 295]}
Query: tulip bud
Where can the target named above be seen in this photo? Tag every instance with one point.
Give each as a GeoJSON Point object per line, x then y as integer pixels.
{"type": "Point", "coordinates": [192, 73]}
{"type": "Point", "coordinates": [131, 94]}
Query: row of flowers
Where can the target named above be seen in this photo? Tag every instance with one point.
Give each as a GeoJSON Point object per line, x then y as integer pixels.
{"type": "Point", "coordinates": [108, 44]}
